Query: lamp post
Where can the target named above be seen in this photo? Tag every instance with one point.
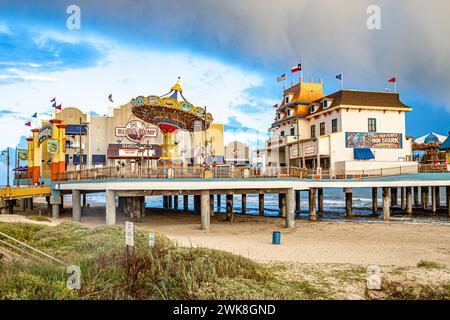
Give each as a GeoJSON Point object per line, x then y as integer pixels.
{"type": "Point", "coordinates": [7, 165]}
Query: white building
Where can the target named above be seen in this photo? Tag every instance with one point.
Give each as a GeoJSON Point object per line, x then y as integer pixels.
{"type": "Point", "coordinates": [345, 131]}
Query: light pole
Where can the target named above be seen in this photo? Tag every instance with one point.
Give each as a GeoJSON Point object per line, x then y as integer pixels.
{"type": "Point", "coordinates": [7, 165]}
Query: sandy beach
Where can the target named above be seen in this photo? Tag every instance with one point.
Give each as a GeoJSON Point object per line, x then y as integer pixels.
{"type": "Point", "coordinates": [389, 244]}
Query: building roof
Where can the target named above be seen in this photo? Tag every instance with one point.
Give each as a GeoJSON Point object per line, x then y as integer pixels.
{"type": "Point", "coordinates": [176, 92]}
{"type": "Point", "coordinates": [362, 99]}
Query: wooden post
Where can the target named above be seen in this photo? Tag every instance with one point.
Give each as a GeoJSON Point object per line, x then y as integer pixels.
{"type": "Point", "coordinates": [185, 203]}
{"type": "Point", "coordinates": [282, 197]}
{"type": "Point", "coordinates": [348, 202]}
{"type": "Point", "coordinates": [320, 201]}
{"type": "Point", "coordinates": [261, 204]}
{"type": "Point", "coordinates": [386, 208]}
{"type": "Point", "coordinates": [297, 201]}
{"type": "Point", "coordinates": [312, 204]}
{"type": "Point", "coordinates": [409, 201]}
{"type": "Point", "coordinates": [374, 201]}
{"type": "Point", "coordinates": [229, 199]}
{"type": "Point", "coordinates": [244, 204]}
{"type": "Point", "coordinates": [416, 197]}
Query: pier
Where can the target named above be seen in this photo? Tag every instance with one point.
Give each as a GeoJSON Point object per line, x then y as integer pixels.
{"type": "Point", "coordinates": [132, 192]}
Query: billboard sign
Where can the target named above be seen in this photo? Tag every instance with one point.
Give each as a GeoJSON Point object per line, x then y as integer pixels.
{"type": "Point", "coordinates": [52, 146]}
{"type": "Point", "coordinates": [136, 131]}
{"type": "Point", "coordinates": [373, 140]}
{"type": "Point", "coordinates": [45, 133]}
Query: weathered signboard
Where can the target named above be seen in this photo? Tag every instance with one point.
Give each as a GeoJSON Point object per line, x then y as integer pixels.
{"type": "Point", "coordinates": [136, 131]}
{"type": "Point", "coordinates": [45, 133]}
{"type": "Point", "coordinates": [129, 233]}
{"type": "Point", "coordinates": [373, 140]}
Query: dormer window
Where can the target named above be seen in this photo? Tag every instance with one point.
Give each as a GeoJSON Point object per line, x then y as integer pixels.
{"type": "Point", "coordinates": [279, 116]}
{"type": "Point", "coordinates": [289, 112]}
{"type": "Point", "coordinates": [325, 104]}
{"type": "Point", "coordinates": [312, 108]}
{"type": "Point", "coordinates": [286, 100]}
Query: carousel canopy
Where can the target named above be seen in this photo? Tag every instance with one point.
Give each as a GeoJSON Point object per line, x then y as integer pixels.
{"type": "Point", "coordinates": [171, 111]}
{"type": "Point", "coordinates": [430, 137]}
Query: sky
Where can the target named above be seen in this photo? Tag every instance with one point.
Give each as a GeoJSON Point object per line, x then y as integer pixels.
{"type": "Point", "coordinates": [228, 54]}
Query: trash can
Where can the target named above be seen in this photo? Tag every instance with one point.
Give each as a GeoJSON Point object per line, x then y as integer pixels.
{"type": "Point", "coordinates": [276, 237]}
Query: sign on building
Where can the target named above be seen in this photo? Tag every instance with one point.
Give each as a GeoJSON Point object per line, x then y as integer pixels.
{"type": "Point", "coordinates": [136, 131]}
{"type": "Point", "coordinates": [45, 133]}
{"type": "Point", "coordinates": [22, 154]}
{"type": "Point", "coordinates": [373, 140]}
{"type": "Point", "coordinates": [52, 146]}
{"type": "Point", "coordinates": [129, 233]}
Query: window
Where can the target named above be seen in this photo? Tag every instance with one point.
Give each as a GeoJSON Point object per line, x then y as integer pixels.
{"type": "Point", "coordinates": [322, 128]}
{"type": "Point", "coordinates": [334, 127]}
{"type": "Point", "coordinates": [372, 125]}
{"type": "Point", "coordinates": [289, 113]}
{"type": "Point", "coordinates": [313, 131]}
{"type": "Point", "coordinates": [292, 131]}
{"type": "Point", "coordinates": [325, 104]}
{"type": "Point", "coordinates": [312, 109]}
{"type": "Point", "coordinates": [278, 116]}
{"type": "Point", "coordinates": [286, 100]}
{"type": "Point", "coordinates": [282, 133]}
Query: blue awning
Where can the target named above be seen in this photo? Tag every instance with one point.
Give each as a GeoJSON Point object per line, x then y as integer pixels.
{"type": "Point", "coordinates": [73, 129]}
{"type": "Point", "coordinates": [363, 154]}
{"type": "Point", "coordinates": [98, 159]}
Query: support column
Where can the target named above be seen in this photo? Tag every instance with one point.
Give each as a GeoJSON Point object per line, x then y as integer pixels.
{"type": "Point", "coordinates": [229, 198]}
{"type": "Point", "coordinates": [433, 199]}
{"type": "Point", "coordinates": [175, 202]}
{"type": "Point", "coordinates": [416, 197]}
{"type": "Point", "coordinates": [402, 198]}
{"type": "Point", "coordinates": [427, 197]}
{"type": "Point", "coordinates": [290, 214]}
{"type": "Point", "coordinates": [211, 205]}
{"type": "Point", "coordinates": [197, 204]}
{"type": "Point", "coordinates": [386, 208]}
{"type": "Point", "coordinates": [110, 207]}
{"type": "Point", "coordinates": [30, 204]}
{"type": "Point", "coordinates": [55, 201]}
{"type": "Point", "coordinates": [297, 201]}
{"type": "Point", "coordinates": [282, 197]}
{"type": "Point", "coordinates": [320, 201]}
{"type": "Point", "coordinates": [312, 204]}
{"type": "Point", "coordinates": [422, 197]}
{"type": "Point", "coordinates": [261, 204]}
{"type": "Point", "coordinates": [448, 200]}
{"type": "Point", "coordinates": [374, 201]}
{"type": "Point", "coordinates": [409, 201]}
{"type": "Point", "coordinates": [76, 205]}
{"type": "Point", "coordinates": [219, 201]}
{"type": "Point", "coordinates": [22, 204]}
{"type": "Point", "coordinates": [205, 210]}
{"type": "Point", "coordinates": [244, 204]}
{"type": "Point", "coordinates": [348, 202]}
{"type": "Point", "coordinates": [185, 203]}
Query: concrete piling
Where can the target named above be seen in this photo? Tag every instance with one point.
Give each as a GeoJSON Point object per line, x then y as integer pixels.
{"type": "Point", "coordinates": [348, 202]}
{"type": "Point", "coordinates": [229, 205]}
{"type": "Point", "coordinates": [261, 204]}
{"type": "Point", "coordinates": [374, 201]}
{"type": "Point", "coordinates": [427, 197]}
{"type": "Point", "coordinates": [409, 201]}
{"type": "Point", "coordinates": [320, 201]}
{"type": "Point", "coordinates": [312, 204]}
{"type": "Point", "coordinates": [402, 198]}
{"type": "Point", "coordinates": [76, 205]}
{"type": "Point", "coordinates": [244, 204]}
{"type": "Point", "coordinates": [110, 207]}
{"type": "Point", "coordinates": [386, 207]}
{"type": "Point", "coordinates": [422, 197]}
{"type": "Point", "coordinates": [416, 197]}
{"type": "Point", "coordinates": [282, 197]}
{"type": "Point", "coordinates": [205, 210]}
{"type": "Point", "coordinates": [433, 200]}
{"type": "Point", "coordinates": [290, 214]}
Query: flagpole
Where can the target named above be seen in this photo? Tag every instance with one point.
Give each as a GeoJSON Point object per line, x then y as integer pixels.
{"type": "Point", "coordinates": [342, 82]}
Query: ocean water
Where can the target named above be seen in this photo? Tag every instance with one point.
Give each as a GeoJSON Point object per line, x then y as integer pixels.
{"type": "Point", "coordinates": [334, 206]}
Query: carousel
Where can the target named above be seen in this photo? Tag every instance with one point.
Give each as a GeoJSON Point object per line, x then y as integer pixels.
{"type": "Point", "coordinates": [171, 112]}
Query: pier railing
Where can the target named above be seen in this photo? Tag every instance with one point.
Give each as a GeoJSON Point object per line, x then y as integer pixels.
{"type": "Point", "coordinates": [222, 172]}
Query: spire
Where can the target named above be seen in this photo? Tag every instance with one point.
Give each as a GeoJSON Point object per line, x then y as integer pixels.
{"type": "Point", "coordinates": [177, 86]}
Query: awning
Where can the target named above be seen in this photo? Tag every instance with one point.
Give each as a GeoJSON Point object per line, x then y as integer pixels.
{"type": "Point", "coordinates": [363, 154]}
{"type": "Point", "coordinates": [98, 159]}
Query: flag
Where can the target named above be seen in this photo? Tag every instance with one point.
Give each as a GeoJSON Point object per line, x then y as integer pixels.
{"type": "Point", "coordinates": [394, 79]}
{"type": "Point", "coordinates": [282, 77]}
{"type": "Point", "coordinates": [58, 107]}
{"type": "Point", "coordinates": [53, 100]}
{"type": "Point", "coordinates": [297, 68]}
{"type": "Point", "coordinates": [275, 105]}
{"type": "Point", "coordinates": [110, 98]}
{"type": "Point", "coordinates": [28, 124]}
{"type": "Point", "coordinates": [54, 105]}
{"type": "Point", "coordinates": [34, 115]}
{"type": "Point", "coordinates": [339, 76]}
